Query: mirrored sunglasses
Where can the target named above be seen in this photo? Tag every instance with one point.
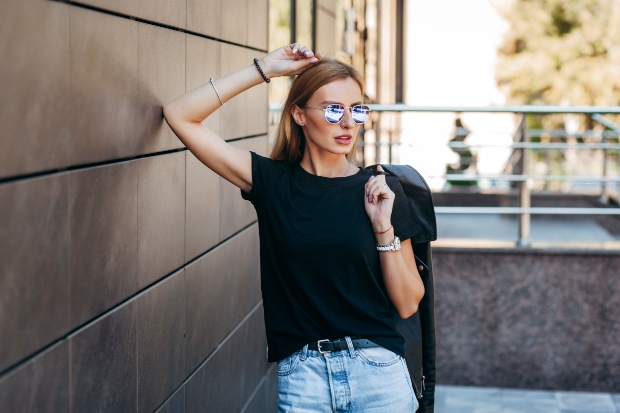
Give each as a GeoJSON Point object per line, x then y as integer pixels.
{"type": "Point", "coordinates": [335, 112]}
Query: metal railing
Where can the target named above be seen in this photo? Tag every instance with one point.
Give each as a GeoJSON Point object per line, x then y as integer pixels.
{"type": "Point", "coordinates": [518, 168]}
{"type": "Point", "coordinates": [523, 109]}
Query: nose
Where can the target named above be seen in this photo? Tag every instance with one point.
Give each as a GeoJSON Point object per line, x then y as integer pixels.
{"type": "Point", "coordinates": [347, 121]}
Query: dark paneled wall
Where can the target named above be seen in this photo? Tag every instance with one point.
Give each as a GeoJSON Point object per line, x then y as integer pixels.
{"type": "Point", "coordinates": [528, 319]}
{"type": "Point", "coordinates": [129, 272]}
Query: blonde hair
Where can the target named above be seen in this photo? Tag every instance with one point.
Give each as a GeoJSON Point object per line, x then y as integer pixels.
{"type": "Point", "coordinates": [290, 140]}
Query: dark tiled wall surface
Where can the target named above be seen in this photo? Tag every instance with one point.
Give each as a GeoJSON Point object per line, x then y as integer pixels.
{"type": "Point", "coordinates": [548, 320]}
{"type": "Point", "coordinates": [129, 272]}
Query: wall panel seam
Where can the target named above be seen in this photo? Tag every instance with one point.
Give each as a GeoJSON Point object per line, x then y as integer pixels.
{"type": "Point", "coordinates": [69, 207]}
{"type": "Point", "coordinates": [154, 23]}
{"type": "Point", "coordinates": [260, 135]}
{"type": "Point", "coordinates": [69, 245]}
{"type": "Point", "coordinates": [15, 366]}
{"type": "Point", "coordinates": [137, 280]}
{"type": "Point", "coordinates": [257, 388]}
{"type": "Point", "coordinates": [213, 352]}
{"type": "Point", "coordinates": [69, 345]}
{"type": "Point", "coordinates": [82, 167]}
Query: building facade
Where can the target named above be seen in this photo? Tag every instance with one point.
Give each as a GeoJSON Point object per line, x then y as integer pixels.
{"type": "Point", "coordinates": [129, 276]}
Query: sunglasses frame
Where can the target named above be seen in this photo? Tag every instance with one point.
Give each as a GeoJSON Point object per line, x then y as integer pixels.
{"type": "Point", "coordinates": [345, 107]}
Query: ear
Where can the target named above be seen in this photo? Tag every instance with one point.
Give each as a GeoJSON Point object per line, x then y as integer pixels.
{"type": "Point", "coordinates": [298, 115]}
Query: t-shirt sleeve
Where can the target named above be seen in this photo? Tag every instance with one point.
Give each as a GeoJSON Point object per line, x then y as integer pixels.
{"type": "Point", "coordinates": [265, 172]}
{"type": "Point", "coordinates": [405, 224]}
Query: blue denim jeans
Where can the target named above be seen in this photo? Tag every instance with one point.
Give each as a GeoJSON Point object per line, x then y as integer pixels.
{"type": "Point", "coordinates": [369, 380]}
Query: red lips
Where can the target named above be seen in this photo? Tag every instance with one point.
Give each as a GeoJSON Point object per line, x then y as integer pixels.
{"type": "Point", "coordinates": [344, 139]}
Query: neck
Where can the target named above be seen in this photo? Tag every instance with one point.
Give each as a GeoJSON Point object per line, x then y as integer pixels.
{"type": "Point", "coordinates": [328, 166]}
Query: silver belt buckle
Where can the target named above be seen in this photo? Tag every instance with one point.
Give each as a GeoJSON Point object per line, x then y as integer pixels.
{"type": "Point", "coordinates": [318, 346]}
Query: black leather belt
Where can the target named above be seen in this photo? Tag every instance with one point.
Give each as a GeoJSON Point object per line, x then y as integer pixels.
{"type": "Point", "coordinates": [326, 346]}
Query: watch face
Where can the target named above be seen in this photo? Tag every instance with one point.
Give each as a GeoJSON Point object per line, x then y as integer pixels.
{"type": "Point", "coordinates": [397, 243]}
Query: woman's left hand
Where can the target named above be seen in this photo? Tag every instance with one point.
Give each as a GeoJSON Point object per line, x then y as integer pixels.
{"type": "Point", "coordinates": [378, 201]}
{"type": "Point", "coordinates": [289, 60]}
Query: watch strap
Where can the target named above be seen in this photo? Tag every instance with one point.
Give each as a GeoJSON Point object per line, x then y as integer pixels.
{"type": "Point", "coordinates": [393, 246]}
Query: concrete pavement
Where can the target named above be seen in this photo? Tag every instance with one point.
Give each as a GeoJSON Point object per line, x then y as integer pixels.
{"type": "Point", "coordinates": [465, 399]}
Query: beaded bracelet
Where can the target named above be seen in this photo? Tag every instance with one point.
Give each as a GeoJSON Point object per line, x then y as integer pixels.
{"type": "Point", "coordinates": [261, 71]}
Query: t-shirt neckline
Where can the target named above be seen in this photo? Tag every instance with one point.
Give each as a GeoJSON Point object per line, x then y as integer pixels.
{"type": "Point", "coordinates": [306, 176]}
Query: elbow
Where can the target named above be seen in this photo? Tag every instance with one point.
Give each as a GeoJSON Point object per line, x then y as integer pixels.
{"type": "Point", "coordinates": [172, 117]}
{"type": "Point", "coordinates": [408, 311]}
{"type": "Point", "coordinates": [168, 113]}
{"type": "Point", "coordinates": [176, 117]}
{"type": "Point", "coordinates": [173, 111]}
{"type": "Point", "coordinates": [411, 307]}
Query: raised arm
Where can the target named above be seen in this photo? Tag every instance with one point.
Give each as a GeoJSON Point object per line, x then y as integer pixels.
{"type": "Point", "coordinates": [186, 113]}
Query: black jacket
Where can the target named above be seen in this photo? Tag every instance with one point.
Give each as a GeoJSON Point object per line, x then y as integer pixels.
{"type": "Point", "coordinates": [419, 329]}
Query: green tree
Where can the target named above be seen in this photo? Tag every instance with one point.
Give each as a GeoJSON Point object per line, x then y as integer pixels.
{"type": "Point", "coordinates": [561, 52]}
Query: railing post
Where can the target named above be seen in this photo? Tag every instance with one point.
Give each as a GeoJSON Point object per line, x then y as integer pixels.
{"type": "Point", "coordinates": [525, 200]}
{"type": "Point", "coordinates": [607, 124]}
{"type": "Point", "coordinates": [604, 197]}
{"type": "Point", "coordinates": [378, 133]}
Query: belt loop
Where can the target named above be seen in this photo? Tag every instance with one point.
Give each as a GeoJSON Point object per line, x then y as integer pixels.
{"type": "Point", "coordinates": [304, 353]}
{"type": "Point", "coordinates": [350, 345]}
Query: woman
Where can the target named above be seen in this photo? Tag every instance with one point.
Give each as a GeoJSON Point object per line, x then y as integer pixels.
{"type": "Point", "coordinates": [331, 263]}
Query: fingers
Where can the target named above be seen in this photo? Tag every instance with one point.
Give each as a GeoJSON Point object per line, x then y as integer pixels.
{"type": "Point", "coordinates": [376, 188]}
{"type": "Point", "coordinates": [302, 52]}
{"type": "Point", "coordinates": [290, 60]}
{"type": "Point", "coordinates": [294, 47]}
{"type": "Point", "coordinates": [306, 52]}
{"type": "Point", "coordinates": [303, 63]}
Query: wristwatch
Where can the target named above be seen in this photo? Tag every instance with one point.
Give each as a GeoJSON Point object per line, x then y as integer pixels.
{"type": "Point", "coordinates": [394, 246]}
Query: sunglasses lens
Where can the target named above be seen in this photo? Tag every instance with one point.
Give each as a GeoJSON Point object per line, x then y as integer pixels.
{"type": "Point", "coordinates": [361, 113]}
{"type": "Point", "coordinates": [334, 113]}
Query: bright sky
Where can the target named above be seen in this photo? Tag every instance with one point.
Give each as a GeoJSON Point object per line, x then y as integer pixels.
{"type": "Point", "coordinates": [451, 56]}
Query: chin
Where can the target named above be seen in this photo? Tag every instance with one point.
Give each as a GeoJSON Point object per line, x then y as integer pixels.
{"type": "Point", "coordinates": [342, 151]}
{"type": "Point", "coordinates": [339, 148]}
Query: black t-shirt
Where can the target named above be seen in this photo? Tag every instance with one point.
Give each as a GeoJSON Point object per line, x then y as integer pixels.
{"type": "Point", "coordinates": [320, 270]}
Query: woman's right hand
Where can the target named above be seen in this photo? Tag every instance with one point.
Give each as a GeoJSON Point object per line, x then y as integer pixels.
{"type": "Point", "coordinates": [289, 60]}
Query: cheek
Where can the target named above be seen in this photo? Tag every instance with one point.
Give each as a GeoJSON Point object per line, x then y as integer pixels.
{"type": "Point", "coordinates": [318, 128]}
